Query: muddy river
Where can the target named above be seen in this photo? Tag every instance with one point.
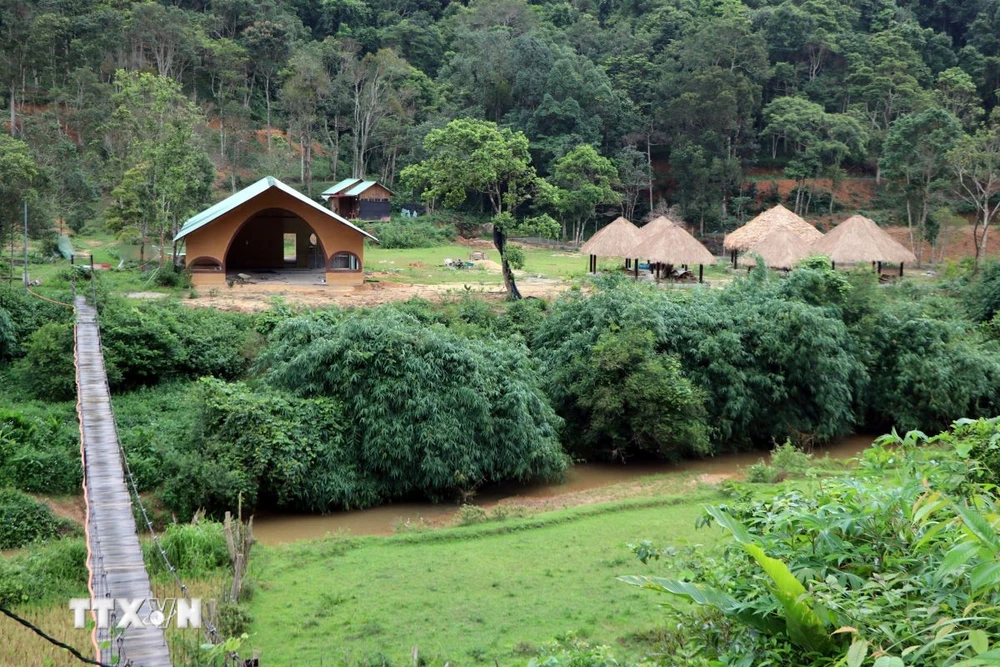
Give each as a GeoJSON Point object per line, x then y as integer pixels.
{"type": "Point", "coordinates": [272, 529]}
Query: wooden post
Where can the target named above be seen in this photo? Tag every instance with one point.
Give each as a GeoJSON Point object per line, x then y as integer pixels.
{"type": "Point", "coordinates": [628, 263]}
{"type": "Point", "coordinates": [833, 265]}
{"type": "Point", "coordinates": [734, 259]}
{"type": "Point", "coordinates": [701, 273]}
{"type": "Point", "coordinates": [636, 267]}
{"type": "Point", "coordinates": [900, 269]}
{"type": "Point", "coordinates": [879, 269]}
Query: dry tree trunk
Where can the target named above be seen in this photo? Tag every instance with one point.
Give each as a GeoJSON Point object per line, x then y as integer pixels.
{"type": "Point", "coordinates": [239, 540]}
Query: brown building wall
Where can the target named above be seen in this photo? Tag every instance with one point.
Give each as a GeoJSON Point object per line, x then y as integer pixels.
{"type": "Point", "coordinates": [213, 240]}
{"type": "Point", "coordinates": [375, 192]}
{"type": "Point", "coordinates": [350, 208]}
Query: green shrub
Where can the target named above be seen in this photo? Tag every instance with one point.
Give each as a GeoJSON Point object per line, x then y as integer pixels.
{"type": "Point", "coordinates": [47, 368]}
{"type": "Point", "coordinates": [26, 314]}
{"type": "Point", "coordinates": [264, 446]}
{"type": "Point", "coordinates": [52, 571]}
{"type": "Point", "coordinates": [424, 410]}
{"type": "Point", "coordinates": [195, 549]}
{"type": "Point", "coordinates": [620, 397]}
{"type": "Point", "coordinates": [903, 555]}
{"type": "Point", "coordinates": [169, 276]}
{"type": "Point", "coordinates": [979, 441]}
{"type": "Point", "coordinates": [924, 370]}
{"type": "Point", "coordinates": [789, 459]}
{"type": "Point", "coordinates": [522, 317]}
{"type": "Point", "coordinates": [770, 367]}
{"type": "Point", "coordinates": [411, 233]}
{"type": "Point", "coordinates": [153, 424]}
{"type": "Point", "coordinates": [39, 449]}
{"type": "Point", "coordinates": [761, 473]}
{"type": "Point", "coordinates": [24, 520]}
{"type": "Point", "coordinates": [147, 343]}
{"type": "Point", "coordinates": [8, 335]}
{"type": "Point", "coordinates": [234, 619]}
{"type": "Point", "coordinates": [471, 514]}
{"type": "Point", "coordinates": [983, 300]}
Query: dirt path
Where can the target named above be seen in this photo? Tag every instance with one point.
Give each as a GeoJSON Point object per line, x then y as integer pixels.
{"type": "Point", "coordinates": [68, 507]}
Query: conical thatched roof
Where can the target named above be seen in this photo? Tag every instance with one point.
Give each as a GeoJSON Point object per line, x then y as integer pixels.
{"type": "Point", "coordinates": [781, 249]}
{"type": "Point", "coordinates": [614, 240]}
{"type": "Point", "coordinates": [859, 239]}
{"type": "Point", "coordinates": [769, 221]}
{"type": "Point", "coordinates": [648, 231]}
{"type": "Point", "coordinates": [673, 245]}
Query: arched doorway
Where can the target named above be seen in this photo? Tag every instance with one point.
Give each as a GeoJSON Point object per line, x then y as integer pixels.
{"type": "Point", "coordinates": [275, 242]}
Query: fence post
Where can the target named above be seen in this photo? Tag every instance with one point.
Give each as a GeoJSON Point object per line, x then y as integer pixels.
{"type": "Point", "coordinates": [93, 281]}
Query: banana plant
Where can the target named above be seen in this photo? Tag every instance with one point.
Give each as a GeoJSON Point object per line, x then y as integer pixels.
{"type": "Point", "coordinates": [800, 624]}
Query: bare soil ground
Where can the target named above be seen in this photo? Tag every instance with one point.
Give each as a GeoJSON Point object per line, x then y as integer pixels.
{"type": "Point", "coordinates": [252, 298]}
{"type": "Point", "coordinates": [69, 507]}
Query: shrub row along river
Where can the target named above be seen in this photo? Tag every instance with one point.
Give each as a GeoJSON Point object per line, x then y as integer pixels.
{"type": "Point", "coordinates": [281, 528]}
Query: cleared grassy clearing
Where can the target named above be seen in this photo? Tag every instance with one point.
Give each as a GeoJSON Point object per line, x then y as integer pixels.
{"type": "Point", "coordinates": [425, 265]}
{"type": "Point", "coordinates": [486, 594]}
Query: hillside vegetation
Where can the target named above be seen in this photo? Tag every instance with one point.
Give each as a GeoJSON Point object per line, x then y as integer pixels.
{"type": "Point", "coordinates": [132, 116]}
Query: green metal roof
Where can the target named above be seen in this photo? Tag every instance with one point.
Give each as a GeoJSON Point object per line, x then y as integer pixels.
{"type": "Point", "coordinates": [246, 194]}
{"type": "Point", "coordinates": [359, 188]}
{"type": "Point", "coordinates": [349, 187]}
{"type": "Point", "coordinates": [340, 187]}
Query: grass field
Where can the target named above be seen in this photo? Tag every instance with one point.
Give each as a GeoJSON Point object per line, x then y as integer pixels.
{"type": "Point", "coordinates": [426, 265]}
{"type": "Point", "coordinates": [490, 593]}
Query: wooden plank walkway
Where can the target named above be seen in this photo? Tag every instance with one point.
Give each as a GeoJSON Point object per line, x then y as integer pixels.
{"type": "Point", "coordinates": [115, 555]}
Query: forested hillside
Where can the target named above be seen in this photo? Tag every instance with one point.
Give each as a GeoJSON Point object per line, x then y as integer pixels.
{"type": "Point", "coordinates": [131, 112]}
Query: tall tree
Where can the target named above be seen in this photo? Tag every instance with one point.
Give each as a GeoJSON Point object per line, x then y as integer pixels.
{"type": "Point", "coordinates": [914, 159]}
{"type": "Point", "coordinates": [883, 84]}
{"type": "Point", "coordinates": [164, 170]}
{"type": "Point", "coordinates": [18, 174]}
{"type": "Point", "coordinates": [975, 161]}
{"type": "Point", "coordinates": [477, 156]}
{"type": "Point", "coordinates": [306, 87]}
{"type": "Point", "coordinates": [634, 177]}
{"type": "Point", "coordinates": [372, 83]}
{"type": "Point", "coordinates": [817, 141]}
{"type": "Point", "coordinates": [584, 179]}
{"type": "Point", "coordinates": [268, 43]}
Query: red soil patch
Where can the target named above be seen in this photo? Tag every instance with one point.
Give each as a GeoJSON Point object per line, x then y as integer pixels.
{"type": "Point", "coordinates": [954, 244]}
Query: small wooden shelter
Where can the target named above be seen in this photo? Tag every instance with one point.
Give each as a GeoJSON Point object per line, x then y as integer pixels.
{"type": "Point", "coordinates": [764, 224]}
{"type": "Point", "coordinates": [614, 240]}
{"type": "Point", "coordinates": [672, 245]}
{"type": "Point", "coordinates": [354, 198]}
{"type": "Point", "coordinates": [859, 239]}
{"type": "Point", "coordinates": [781, 249]}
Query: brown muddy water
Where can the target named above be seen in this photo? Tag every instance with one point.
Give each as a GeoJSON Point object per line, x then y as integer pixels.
{"type": "Point", "coordinates": [271, 529]}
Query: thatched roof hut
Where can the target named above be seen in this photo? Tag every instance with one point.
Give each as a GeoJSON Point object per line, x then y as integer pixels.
{"type": "Point", "coordinates": [767, 222]}
{"type": "Point", "coordinates": [654, 227]}
{"type": "Point", "coordinates": [859, 239]}
{"type": "Point", "coordinates": [614, 240]}
{"type": "Point", "coordinates": [673, 245]}
{"type": "Point", "coordinates": [781, 249]}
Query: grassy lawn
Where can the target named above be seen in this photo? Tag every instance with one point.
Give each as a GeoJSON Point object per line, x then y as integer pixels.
{"type": "Point", "coordinates": [485, 594]}
{"type": "Point", "coordinates": [426, 265]}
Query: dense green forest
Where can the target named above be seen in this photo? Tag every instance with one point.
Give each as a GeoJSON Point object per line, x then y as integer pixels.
{"type": "Point", "coordinates": [130, 112]}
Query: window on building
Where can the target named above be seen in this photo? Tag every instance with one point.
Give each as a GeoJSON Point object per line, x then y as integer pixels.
{"type": "Point", "coordinates": [345, 261]}
{"type": "Point", "coordinates": [206, 264]}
